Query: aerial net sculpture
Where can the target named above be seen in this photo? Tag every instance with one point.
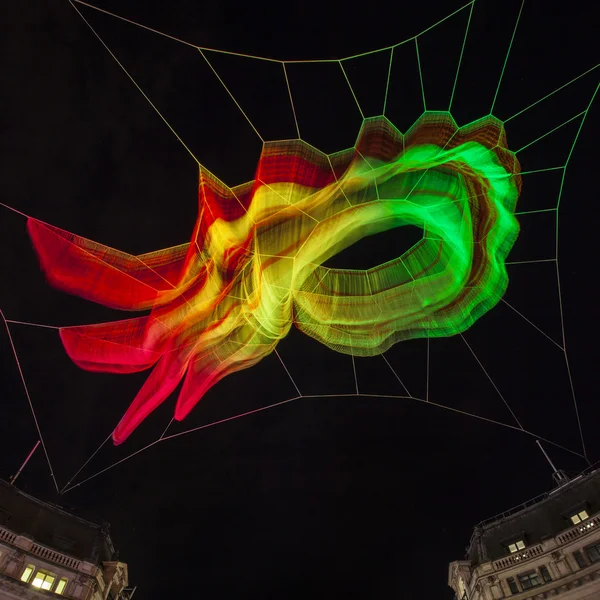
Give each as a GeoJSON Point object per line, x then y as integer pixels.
{"type": "Point", "coordinates": [253, 267]}
{"type": "Point", "coordinates": [256, 263]}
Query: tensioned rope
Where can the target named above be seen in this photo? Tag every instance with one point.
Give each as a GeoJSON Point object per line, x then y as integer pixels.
{"type": "Point", "coordinates": [390, 49]}
{"type": "Point", "coordinates": [562, 318]}
{"type": "Point", "coordinates": [28, 395]}
{"type": "Point", "coordinates": [275, 60]}
{"type": "Point", "coordinates": [533, 435]}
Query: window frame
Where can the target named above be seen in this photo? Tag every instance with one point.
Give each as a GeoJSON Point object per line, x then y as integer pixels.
{"type": "Point", "coordinates": [31, 574]}
{"type": "Point", "coordinates": [580, 559]}
{"type": "Point", "coordinates": [43, 574]}
{"type": "Point", "coordinates": [596, 549]}
{"type": "Point", "coordinates": [545, 573]}
{"type": "Point", "coordinates": [577, 515]}
{"type": "Point", "coordinates": [525, 579]}
{"type": "Point", "coordinates": [516, 543]}
{"type": "Point", "coordinates": [574, 511]}
{"type": "Point", "coordinates": [64, 581]}
{"type": "Point", "coordinates": [513, 586]}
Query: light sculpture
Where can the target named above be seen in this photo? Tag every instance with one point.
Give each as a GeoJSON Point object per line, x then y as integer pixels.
{"type": "Point", "coordinates": [254, 265]}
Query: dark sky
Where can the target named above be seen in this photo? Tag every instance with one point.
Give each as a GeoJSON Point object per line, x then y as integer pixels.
{"type": "Point", "coordinates": [354, 497]}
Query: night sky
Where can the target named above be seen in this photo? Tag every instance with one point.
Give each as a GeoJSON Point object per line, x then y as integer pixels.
{"type": "Point", "coordinates": [353, 497]}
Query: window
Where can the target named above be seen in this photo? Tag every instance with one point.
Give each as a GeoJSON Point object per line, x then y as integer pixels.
{"type": "Point", "coordinates": [516, 546]}
{"type": "Point", "coordinates": [580, 560]}
{"type": "Point", "coordinates": [579, 516]}
{"type": "Point", "coordinates": [593, 553]}
{"type": "Point", "coordinates": [43, 580]}
{"type": "Point", "coordinates": [27, 573]}
{"type": "Point", "coordinates": [529, 580]}
{"type": "Point", "coordinates": [512, 584]}
{"type": "Point", "coordinates": [545, 574]}
{"type": "Point", "coordinates": [62, 584]}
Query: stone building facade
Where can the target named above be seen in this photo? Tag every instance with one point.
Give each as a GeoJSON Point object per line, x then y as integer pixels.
{"type": "Point", "coordinates": [548, 547]}
{"type": "Point", "coordinates": [46, 551]}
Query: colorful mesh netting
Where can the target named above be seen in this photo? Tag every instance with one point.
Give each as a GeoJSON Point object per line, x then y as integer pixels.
{"type": "Point", "coordinates": [253, 267]}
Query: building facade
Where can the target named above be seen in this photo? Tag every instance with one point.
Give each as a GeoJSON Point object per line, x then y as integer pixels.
{"type": "Point", "coordinates": [548, 547]}
{"type": "Point", "coordinates": [46, 551]}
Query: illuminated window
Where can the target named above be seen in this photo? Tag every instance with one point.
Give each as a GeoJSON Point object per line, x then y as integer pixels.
{"type": "Point", "coordinates": [60, 588]}
{"type": "Point", "coordinates": [512, 584]}
{"type": "Point", "coordinates": [529, 580]}
{"type": "Point", "coordinates": [516, 546]}
{"type": "Point", "coordinates": [43, 580]}
{"type": "Point", "coordinates": [579, 516]}
{"type": "Point", "coordinates": [27, 573]}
